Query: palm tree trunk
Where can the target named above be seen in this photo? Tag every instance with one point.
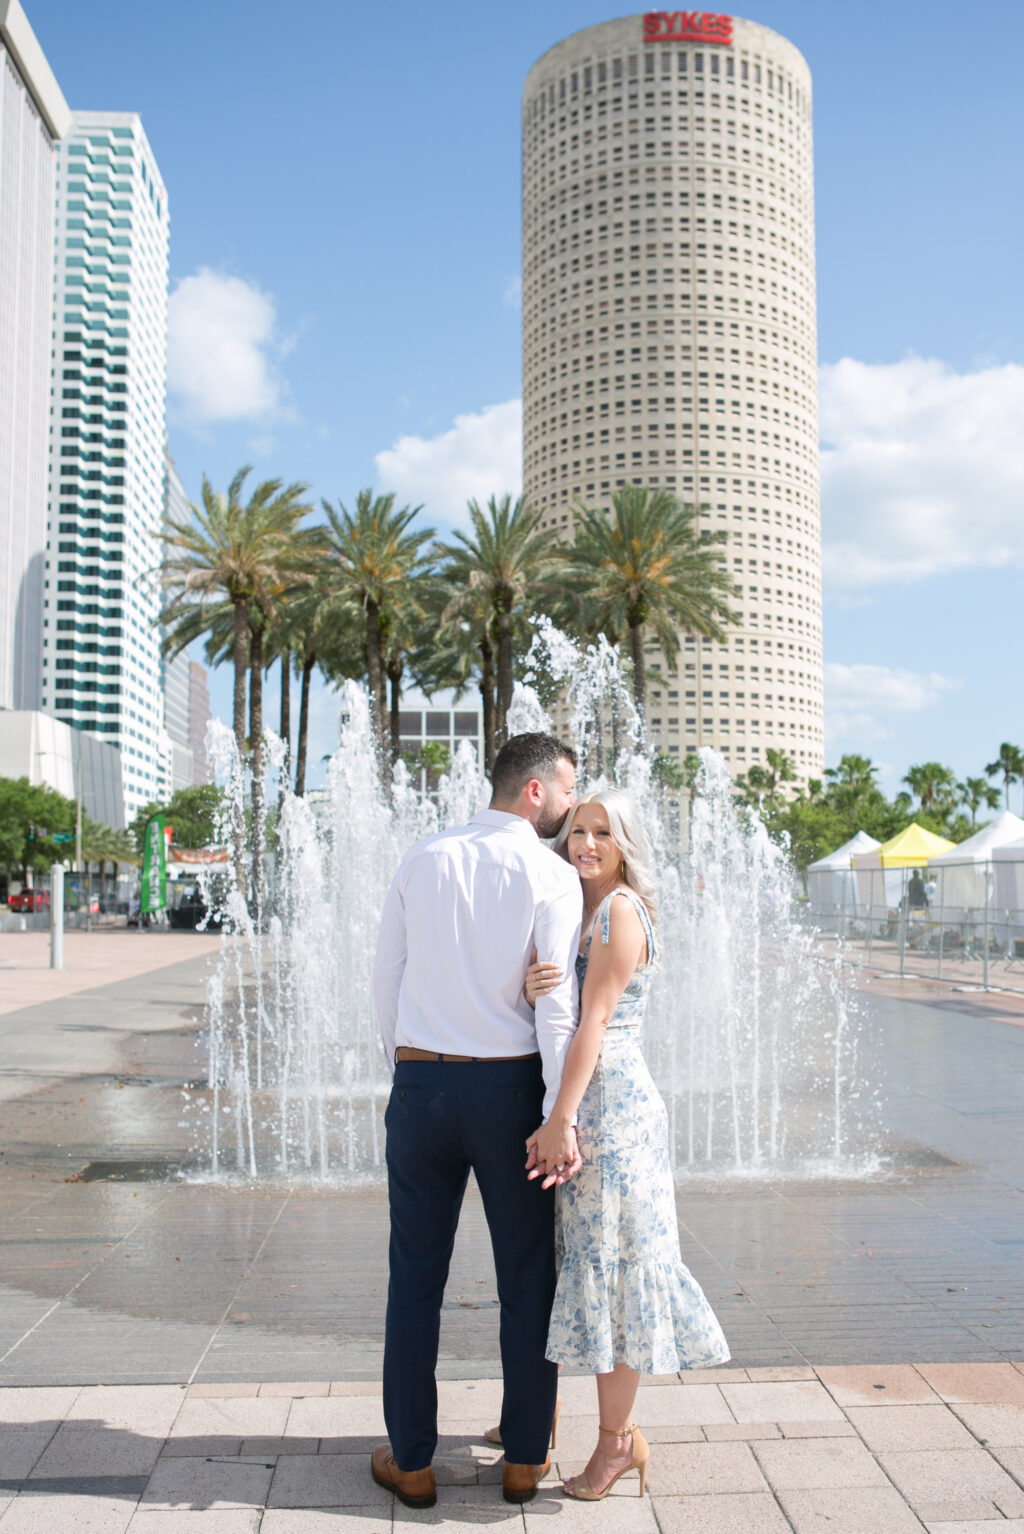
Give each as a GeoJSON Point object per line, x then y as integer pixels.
{"type": "Point", "coordinates": [376, 677]}
{"type": "Point", "coordinates": [506, 681]}
{"type": "Point", "coordinates": [286, 702]}
{"type": "Point", "coordinates": [487, 697]}
{"type": "Point", "coordinates": [241, 662]}
{"type": "Point", "coordinates": [256, 743]}
{"type": "Point", "coordinates": [395, 668]}
{"type": "Point", "coordinates": [636, 635]}
{"type": "Point", "coordinates": [286, 721]}
{"type": "Point", "coordinates": [308, 662]}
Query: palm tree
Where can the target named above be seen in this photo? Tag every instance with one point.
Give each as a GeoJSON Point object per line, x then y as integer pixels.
{"type": "Point", "coordinates": [934, 785]}
{"type": "Point", "coordinates": [231, 553]}
{"type": "Point", "coordinates": [976, 792]}
{"type": "Point", "coordinates": [497, 572]}
{"type": "Point", "coordinates": [1010, 765]}
{"type": "Point", "coordinates": [645, 565]}
{"type": "Point", "coordinates": [856, 772]}
{"type": "Point", "coordinates": [243, 554]}
{"type": "Point", "coordinates": [104, 844]}
{"type": "Point", "coordinates": [463, 650]}
{"type": "Point", "coordinates": [373, 558]}
{"type": "Point", "coordinates": [780, 770]}
{"type": "Point", "coordinates": [326, 631]}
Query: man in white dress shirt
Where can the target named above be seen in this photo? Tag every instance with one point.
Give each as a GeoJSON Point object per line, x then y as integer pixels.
{"type": "Point", "coordinates": [475, 1071]}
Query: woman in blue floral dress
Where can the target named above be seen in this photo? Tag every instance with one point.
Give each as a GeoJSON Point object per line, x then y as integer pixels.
{"type": "Point", "coordinates": [625, 1304]}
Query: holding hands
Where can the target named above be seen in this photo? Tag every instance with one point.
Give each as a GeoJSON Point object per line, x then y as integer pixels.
{"type": "Point", "coordinates": [553, 1152]}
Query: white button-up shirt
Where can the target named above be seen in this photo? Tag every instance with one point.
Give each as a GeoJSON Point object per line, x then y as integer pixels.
{"type": "Point", "coordinates": [459, 921]}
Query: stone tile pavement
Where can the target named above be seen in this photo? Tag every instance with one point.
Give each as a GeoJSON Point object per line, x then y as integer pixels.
{"type": "Point", "coordinates": [843, 1450]}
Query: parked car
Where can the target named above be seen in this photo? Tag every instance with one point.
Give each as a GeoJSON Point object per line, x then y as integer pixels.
{"type": "Point", "coordinates": [29, 900]}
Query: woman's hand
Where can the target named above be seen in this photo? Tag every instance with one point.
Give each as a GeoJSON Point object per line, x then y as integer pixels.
{"type": "Point", "coordinates": [553, 1152]}
{"type": "Point", "coordinates": [540, 979]}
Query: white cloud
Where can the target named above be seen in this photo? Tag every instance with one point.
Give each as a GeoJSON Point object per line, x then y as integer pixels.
{"type": "Point", "coordinates": [480, 456]}
{"type": "Point", "coordinates": [922, 469]}
{"type": "Point", "coordinates": [855, 697]}
{"type": "Point", "coordinates": [221, 346]}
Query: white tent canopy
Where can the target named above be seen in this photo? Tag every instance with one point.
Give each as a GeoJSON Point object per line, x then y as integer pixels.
{"type": "Point", "coordinates": [962, 876]}
{"type": "Point", "coordinates": [831, 884]}
{"type": "Point", "coordinates": [1008, 867]}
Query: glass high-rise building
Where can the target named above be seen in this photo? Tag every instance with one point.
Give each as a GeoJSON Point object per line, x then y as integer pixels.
{"type": "Point", "coordinates": [669, 337]}
{"type": "Point", "coordinates": [107, 470]}
{"type": "Point", "coordinates": [33, 116]}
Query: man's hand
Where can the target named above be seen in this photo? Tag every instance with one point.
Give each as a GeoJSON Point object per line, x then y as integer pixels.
{"type": "Point", "coordinates": [553, 1154]}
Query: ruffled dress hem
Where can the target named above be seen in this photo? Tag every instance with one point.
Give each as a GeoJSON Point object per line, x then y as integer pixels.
{"type": "Point", "coordinates": [651, 1316]}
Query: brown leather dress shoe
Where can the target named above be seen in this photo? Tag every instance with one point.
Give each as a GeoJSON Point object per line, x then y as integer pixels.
{"type": "Point", "coordinates": [416, 1488]}
{"type": "Point", "coordinates": [519, 1482]}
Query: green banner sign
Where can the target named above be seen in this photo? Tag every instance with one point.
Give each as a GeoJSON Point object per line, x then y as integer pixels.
{"type": "Point", "coordinates": [63, 836]}
{"type": "Point", "coordinates": [154, 866]}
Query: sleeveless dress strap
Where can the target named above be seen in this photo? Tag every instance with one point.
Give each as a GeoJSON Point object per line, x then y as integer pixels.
{"type": "Point", "coordinates": [641, 911]}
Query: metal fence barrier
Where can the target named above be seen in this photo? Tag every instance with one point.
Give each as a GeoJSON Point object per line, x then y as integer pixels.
{"type": "Point", "coordinates": [962, 922]}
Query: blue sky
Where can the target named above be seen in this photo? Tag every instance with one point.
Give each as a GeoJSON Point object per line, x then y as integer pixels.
{"type": "Point", "coordinates": [344, 193]}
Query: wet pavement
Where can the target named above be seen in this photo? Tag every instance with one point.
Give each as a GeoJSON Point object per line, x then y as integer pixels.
{"type": "Point", "coordinates": [112, 1271]}
{"type": "Point", "coordinates": [181, 1356]}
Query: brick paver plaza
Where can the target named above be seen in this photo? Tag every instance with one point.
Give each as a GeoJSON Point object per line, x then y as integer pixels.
{"type": "Point", "coordinates": [179, 1356]}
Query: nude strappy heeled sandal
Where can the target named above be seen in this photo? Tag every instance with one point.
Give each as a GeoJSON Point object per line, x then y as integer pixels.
{"type": "Point", "coordinates": [582, 1491]}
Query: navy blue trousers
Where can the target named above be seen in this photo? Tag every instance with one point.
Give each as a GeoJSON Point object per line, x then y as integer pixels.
{"type": "Point", "coordinates": [444, 1120]}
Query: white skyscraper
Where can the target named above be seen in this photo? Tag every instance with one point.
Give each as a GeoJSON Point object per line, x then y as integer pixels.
{"type": "Point", "coordinates": [33, 116]}
{"type": "Point", "coordinates": [669, 339]}
{"type": "Point", "coordinates": [175, 671]}
{"type": "Point", "coordinates": [107, 475]}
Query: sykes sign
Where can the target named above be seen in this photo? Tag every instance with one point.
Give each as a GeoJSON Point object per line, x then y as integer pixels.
{"type": "Point", "coordinates": [687, 27]}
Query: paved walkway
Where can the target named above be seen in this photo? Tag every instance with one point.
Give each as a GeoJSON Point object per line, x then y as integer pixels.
{"type": "Point", "coordinates": [733, 1451]}
{"type": "Point", "coordinates": [91, 960]}
{"type": "Point", "coordinates": [152, 1331]}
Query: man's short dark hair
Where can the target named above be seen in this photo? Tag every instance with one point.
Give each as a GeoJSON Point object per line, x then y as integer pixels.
{"type": "Point", "coordinates": [524, 757]}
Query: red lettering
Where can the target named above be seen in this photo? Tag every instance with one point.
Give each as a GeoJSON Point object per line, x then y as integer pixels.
{"type": "Point", "coordinates": [687, 27]}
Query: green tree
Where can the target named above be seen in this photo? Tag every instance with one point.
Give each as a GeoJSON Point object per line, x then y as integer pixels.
{"type": "Point", "coordinates": [433, 758]}
{"type": "Point", "coordinates": [645, 566]}
{"type": "Point", "coordinates": [498, 575]}
{"type": "Point", "coordinates": [104, 844]}
{"type": "Point", "coordinates": [1009, 765]}
{"type": "Point", "coordinates": [229, 554]}
{"type": "Point", "coordinates": [326, 629]}
{"type": "Point", "coordinates": [195, 814]}
{"type": "Point", "coordinates": [976, 794]}
{"type": "Point", "coordinates": [934, 785]}
{"type": "Point", "coordinates": [373, 557]}
{"type": "Point", "coordinates": [30, 814]}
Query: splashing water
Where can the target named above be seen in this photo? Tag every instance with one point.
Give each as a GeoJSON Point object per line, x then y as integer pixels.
{"type": "Point", "coordinates": [750, 1036]}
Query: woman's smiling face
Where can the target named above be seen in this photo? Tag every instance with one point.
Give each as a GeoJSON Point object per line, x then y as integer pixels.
{"type": "Point", "coordinates": [592, 849]}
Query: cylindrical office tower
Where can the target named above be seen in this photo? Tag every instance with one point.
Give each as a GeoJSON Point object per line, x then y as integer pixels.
{"type": "Point", "coordinates": [669, 338]}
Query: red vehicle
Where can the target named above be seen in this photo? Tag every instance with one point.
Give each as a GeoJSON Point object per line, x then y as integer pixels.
{"type": "Point", "coordinates": [29, 900]}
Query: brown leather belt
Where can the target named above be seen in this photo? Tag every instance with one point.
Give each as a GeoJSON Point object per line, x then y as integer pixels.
{"type": "Point", "coordinates": [407, 1052]}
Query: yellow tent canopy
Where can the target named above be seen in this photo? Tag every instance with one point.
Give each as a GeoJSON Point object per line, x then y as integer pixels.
{"type": "Point", "coordinates": [910, 847]}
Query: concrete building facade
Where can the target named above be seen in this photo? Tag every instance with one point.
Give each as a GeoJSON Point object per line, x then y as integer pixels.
{"type": "Point", "coordinates": [669, 338]}
{"type": "Point", "coordinates": [198, 719]}
{"type": "Point", "coordinates": [33, 118]}
{"type": "Point", "coordinates": [107, 465]}
{"type": "Point", "coordinates": [36, 746]}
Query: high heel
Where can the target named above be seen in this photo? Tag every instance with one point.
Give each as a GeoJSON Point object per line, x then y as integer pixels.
{"type": "Point", "coordinates": [582, 1491]}
{"type": "Point", "coordinates": [493, 1434]}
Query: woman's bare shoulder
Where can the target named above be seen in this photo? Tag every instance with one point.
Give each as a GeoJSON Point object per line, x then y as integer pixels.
{"type": "Point", "coordinates": [625, 926]}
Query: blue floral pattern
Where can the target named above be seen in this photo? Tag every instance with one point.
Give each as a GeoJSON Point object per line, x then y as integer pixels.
{"type": "Point", "coordinates": [624, 1295]}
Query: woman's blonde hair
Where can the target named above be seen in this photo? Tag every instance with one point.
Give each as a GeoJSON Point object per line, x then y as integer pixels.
{"type": "Point", "coordinates": [627, 827]}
